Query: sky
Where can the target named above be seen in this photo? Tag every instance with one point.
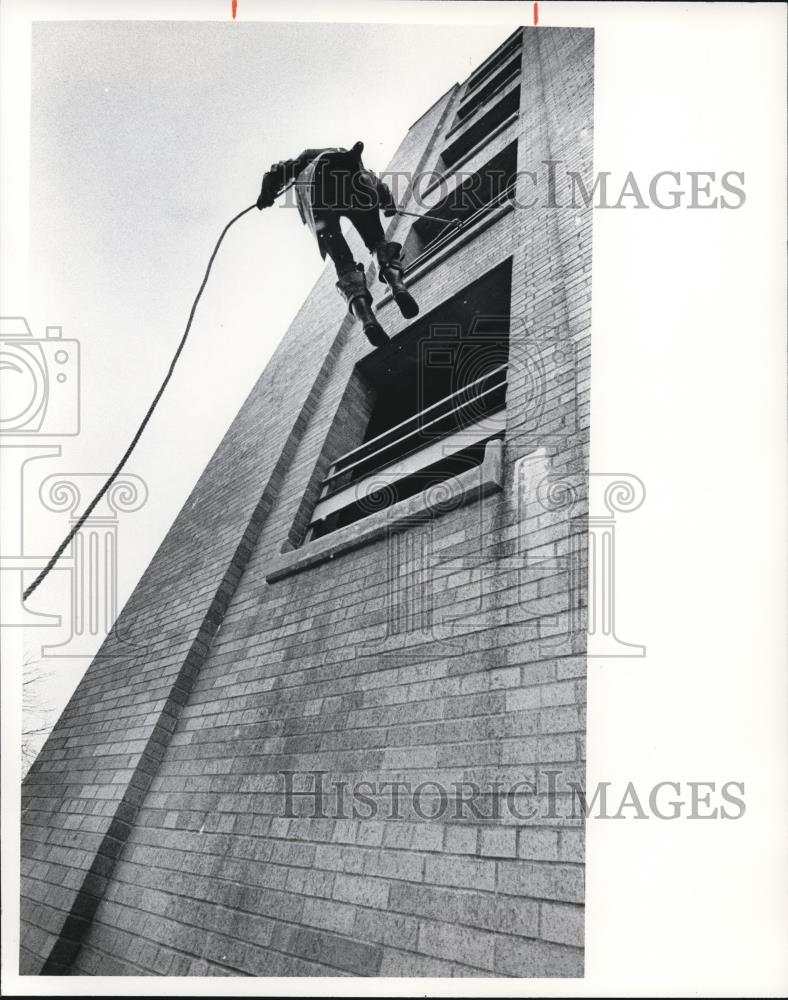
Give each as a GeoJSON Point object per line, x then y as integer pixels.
{"type": "Point", "coordinates": [145, 138]}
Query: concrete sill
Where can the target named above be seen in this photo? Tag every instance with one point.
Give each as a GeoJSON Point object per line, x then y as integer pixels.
{"type": "Point", "coordinates": [485, 479]}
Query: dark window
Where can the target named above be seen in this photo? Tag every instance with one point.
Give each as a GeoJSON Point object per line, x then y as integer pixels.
{"type": "Point", "coordinates": [471, 200]}
{"type": "Point", "coordinates": [439, 395]}
{"type": "Point", "coordinates": [475, 100]}
{"type": "Point", "coordinates": [480, 75]}
{"type": "Point", "coordinates": [479, 128]}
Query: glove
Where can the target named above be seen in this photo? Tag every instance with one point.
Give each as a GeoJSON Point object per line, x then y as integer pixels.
{"type": "Point", "coordinates": [264, 201]}
{"type": "Point", "coordinates": [268, 192]}
{"type": "Point", "coordinates": [272, 184]}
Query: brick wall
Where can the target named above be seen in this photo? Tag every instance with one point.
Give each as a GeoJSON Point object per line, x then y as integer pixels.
{"type": "Point", "coordinates": [155, 834]}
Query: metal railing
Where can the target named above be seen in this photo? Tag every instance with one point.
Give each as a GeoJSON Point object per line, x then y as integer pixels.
{"type": "Point", "coordinates": [437, 434]}
{"type": "Point", "coordinates": [450, 233]}
{"type": "Point", "coordinates": [440, 419]}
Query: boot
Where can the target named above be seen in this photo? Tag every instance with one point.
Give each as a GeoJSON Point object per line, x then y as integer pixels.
{"type": "Point", "coordinates": [353, 287]}
{"type": "Point", "coordinates": [390, 273]}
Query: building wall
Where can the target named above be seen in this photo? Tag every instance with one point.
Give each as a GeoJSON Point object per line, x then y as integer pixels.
{"type": "Point", "coordinates": [154, 837]}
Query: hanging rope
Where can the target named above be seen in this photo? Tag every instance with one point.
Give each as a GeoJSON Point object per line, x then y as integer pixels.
{"type": "Point", "coordinates": [119, 467]}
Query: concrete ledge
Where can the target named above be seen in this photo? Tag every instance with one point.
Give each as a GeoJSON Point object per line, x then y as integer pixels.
{"type": "Point", "coordinates": [436, 500]}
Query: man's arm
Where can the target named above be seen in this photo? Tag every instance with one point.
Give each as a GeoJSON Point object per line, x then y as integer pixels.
{"type": "Point", "coordinates": [281, 174]}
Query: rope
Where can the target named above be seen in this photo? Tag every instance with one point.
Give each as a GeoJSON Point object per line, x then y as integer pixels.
{"type": "Point", "coordinates": [119, 467]}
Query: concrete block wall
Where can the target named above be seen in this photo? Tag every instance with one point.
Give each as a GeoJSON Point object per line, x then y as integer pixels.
{"type": "Point", "coordinates": [157, 838]}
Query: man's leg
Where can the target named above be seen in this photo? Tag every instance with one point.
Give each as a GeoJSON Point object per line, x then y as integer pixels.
{"type": "Point", "coordinates": [389, 257]}
{"type": "Point", "coordinates": [332, 243]}
{"type": "Point", "coordinates": [352, 284]}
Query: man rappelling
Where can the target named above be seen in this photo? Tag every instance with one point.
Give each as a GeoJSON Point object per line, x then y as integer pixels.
{"type": "Point", "coordinates": [331, 183]}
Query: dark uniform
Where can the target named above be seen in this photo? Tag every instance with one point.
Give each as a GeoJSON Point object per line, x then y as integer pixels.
{"type": "Point", "coordinates": [331, 183]}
